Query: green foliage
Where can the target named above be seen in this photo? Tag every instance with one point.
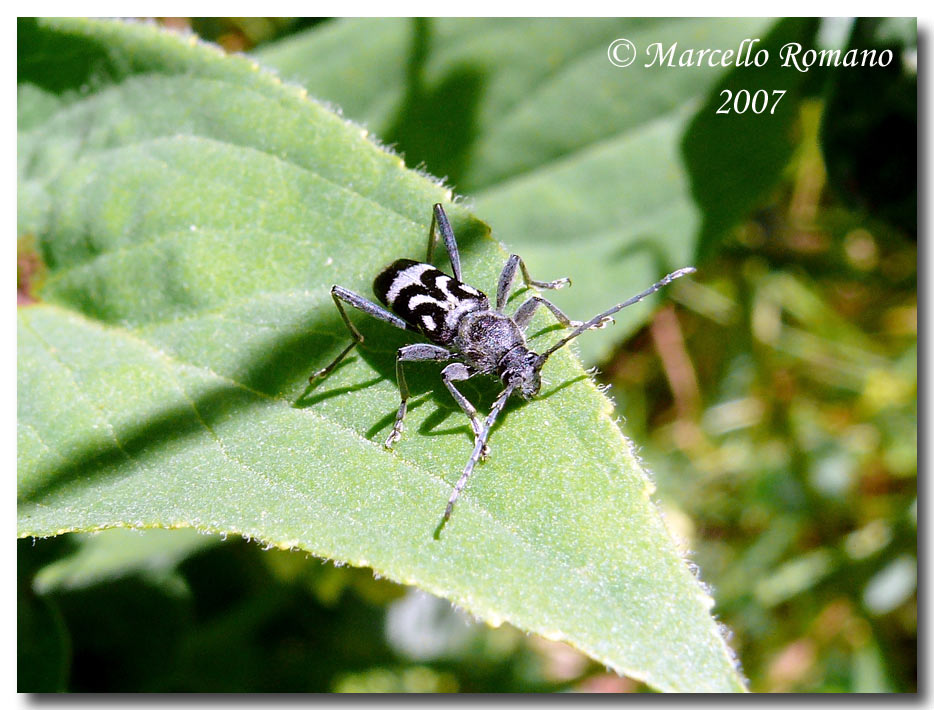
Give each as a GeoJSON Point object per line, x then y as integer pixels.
{"type": "Point", "coordinates": [790, 446]}
{"type": "Point", "coordinates": [191, 212]}
{"type": "Point", "coordinates": [119, 553]}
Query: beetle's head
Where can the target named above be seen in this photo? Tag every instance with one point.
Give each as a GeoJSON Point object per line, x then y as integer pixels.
{"type": "Point", "coordinates": [521, 368]}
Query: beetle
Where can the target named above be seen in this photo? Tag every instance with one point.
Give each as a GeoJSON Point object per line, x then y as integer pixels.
{"type": "Point", "coordinates": [464, 331]}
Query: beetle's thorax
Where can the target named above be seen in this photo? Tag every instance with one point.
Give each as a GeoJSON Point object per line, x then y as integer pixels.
{"type": "Point", "coordinates": [484, 338]}
{"type": "Point", "coordinates": [492, 343]}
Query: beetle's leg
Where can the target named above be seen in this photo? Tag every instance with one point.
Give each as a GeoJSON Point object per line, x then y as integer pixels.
{"type": "Point", "coordinates": [509, 273]}
{"type": "Point", "coordinates": [339, 293]}
{"type": "Point", "coordinates": [457, 371]}
{"type": "Point", "coordinates": [524, 314]}
{"type": "Point", "coordinates": [439, 221]}
{"type": "Point", "coordinates": [475, 455]}
{"type": "Point", "coordinates": [411, 353]}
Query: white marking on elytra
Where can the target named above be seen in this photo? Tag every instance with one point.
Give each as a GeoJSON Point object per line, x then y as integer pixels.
{"type": "Point", "coordinates": [453, 316]}
{"type": "Point", "coordinates": [420, 298]}
{"type": "Point", "coordinates": [455, 306]}
{"type": "Point", "coordinates": [406, 277]}
{"type": "Point", "coordinates": [442, 283]}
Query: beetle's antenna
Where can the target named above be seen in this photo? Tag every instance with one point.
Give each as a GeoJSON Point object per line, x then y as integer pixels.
{"type": "Point", "coordinates": [475, 456]}
{"type": "Point", "coordinates": [596, 321]}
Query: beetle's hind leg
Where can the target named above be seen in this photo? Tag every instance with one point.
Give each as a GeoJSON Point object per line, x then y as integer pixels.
{"type": "Point", "coordinates": [439, 223]}
{"type": "Point", "coordinates": [339, 294]}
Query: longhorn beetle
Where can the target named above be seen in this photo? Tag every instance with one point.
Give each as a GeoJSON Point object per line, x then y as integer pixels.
{"type": "Point", "coordinates": [464, 331]}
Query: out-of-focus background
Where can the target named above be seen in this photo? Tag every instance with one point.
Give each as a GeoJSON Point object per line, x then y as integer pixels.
{"type": "Point", "coordinates": [774, 399]}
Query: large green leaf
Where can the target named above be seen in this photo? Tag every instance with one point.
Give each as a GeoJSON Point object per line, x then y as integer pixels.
{"type": "Point", "coordinates": [575, 162]}
{"type": "Point", "coordinates": [192, 212]}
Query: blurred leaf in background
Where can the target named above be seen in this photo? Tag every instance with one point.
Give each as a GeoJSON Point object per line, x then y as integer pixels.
{"type": "Point", "coordinates": [736, 159]}
{"type": "Point", "coordinates": [780, 408]}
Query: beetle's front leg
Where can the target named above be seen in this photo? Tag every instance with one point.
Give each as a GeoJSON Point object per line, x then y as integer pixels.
{"type": "Point", "coordinates": [456, 372]}
{"type": "Point", "coordinates": [411, 353]}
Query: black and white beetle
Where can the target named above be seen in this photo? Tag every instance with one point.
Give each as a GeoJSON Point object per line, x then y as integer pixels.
{"type": "Point", "coordinates": [465, 331]}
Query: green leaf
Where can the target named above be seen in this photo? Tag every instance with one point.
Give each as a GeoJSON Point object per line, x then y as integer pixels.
{"type": "Point", "coordinates": [192, 213]}
{"type": "Point", "coordinates": [575, 162]}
